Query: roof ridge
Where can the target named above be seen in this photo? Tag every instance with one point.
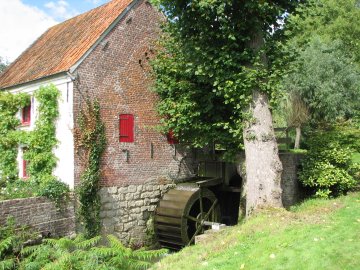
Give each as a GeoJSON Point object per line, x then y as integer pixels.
{"type": "Point", "coordinates": [82, 14]}
{"type": "Point", "coordinates": [63, 45]}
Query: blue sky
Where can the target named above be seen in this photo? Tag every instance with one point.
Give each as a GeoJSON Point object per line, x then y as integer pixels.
{"type": "Point", "coordinates": [23, 21]}
{"type": "Point", "coordinates": [78, 6]}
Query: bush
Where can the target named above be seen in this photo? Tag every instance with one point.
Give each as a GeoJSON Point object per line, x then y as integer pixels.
{"type": "Point", "coordinates": [18, 189]}
{"type": "Point", "coordinates": [54, 190]}
{"type": "Point", "coordinates": [328, 168]}
{"type": "Point", "coordinates": [49, 187]}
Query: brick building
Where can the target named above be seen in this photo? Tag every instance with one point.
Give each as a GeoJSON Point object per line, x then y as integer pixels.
{"type": "Point", "coordinates": [104, 54]}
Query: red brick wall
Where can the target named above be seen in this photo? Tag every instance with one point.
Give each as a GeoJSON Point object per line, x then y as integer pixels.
{"type": "Point", "coordinates": [117, 73]}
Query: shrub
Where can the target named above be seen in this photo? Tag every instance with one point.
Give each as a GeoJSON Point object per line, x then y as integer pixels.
{"type": "Point", "coordinates": [327, 167]}
{"type": "Point", "coordinates": [54, 189]}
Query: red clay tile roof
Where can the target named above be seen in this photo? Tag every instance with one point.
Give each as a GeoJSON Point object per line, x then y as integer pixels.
{"type": "Point", "coordinates": [62, 45]}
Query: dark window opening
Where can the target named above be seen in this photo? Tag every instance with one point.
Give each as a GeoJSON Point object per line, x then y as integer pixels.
{"type": "Point", "coordinates": [26, 115]}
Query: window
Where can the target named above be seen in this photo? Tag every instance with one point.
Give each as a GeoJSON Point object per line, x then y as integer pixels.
{"type": "Point", "coordinates": [126, 128]}
{"type": "Point", "coordinates": [171, 138]}
{"type": "Point", "coordinates": [25, 164]}
{"type": "Point", "coordinates": [26, 115]}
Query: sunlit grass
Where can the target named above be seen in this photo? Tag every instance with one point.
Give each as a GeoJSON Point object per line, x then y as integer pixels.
{"type": "Point", "coordinates": [318, 234]}
{"type": "Point", "coordinates": [356, 157]}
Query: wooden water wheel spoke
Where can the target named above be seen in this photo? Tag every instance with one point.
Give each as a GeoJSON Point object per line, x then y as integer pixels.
{"type": "Point", "coordinates": [200, 227]}
{"type": "Point", "coordinates": [192, 218]}
{"type": "Point", "coordinates": [182, 213]}
{"type": "Point", "coordinates": [201, 201]}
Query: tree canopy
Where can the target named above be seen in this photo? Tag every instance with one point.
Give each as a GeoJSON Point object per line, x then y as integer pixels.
{"type": "Point", "coordinates": [206, 69]}
{"type": "Point", "coordinates": [332, 20]}
{"type": "Point", "coordinates": [322, 42]}
{"type": "Point", "coordinates": [326, 80]}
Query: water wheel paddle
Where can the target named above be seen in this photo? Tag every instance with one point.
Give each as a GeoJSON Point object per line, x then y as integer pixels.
{"type": "Point", "coordinates": [183, 213]}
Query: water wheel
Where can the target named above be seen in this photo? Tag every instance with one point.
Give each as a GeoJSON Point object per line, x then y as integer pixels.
{"type": "Point", "coordinates": [183, 213]}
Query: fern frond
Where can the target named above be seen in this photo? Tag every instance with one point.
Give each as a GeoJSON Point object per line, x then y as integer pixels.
{"type": "Point", "coordinates": [62, 243]}
{"type": "Point", "coordinates": [79, 238]}
{"type": "Point", "coordinates": [116, 244]}
{"type": "Point", "coordinates": [118, 261]}
{"type": "Point", "coordinates": [63, 263]}
{"type": "Point", "coordinates": [104, 252]}
{"type": "Point", "coordinates": [143, 254]}
{"type": "Point", "coordinates": [86, 244]}
{"type": "Point", "coordinates": [30, 266]}
{"type": "Point", "coordinates": [50, 241]}
{"type": "Point", "coordinates": [7, 264]}
{"type": "Point", "coordinates": [6, 244]}
{"type": "Point", "coordinates": [28, 250]}
{"type": "Point", "coordinates": [138, 265]}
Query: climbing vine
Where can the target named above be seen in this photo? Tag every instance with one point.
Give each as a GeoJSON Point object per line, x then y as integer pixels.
{"type": "Point", "coordinates": [9, 134]}
{"type": "Point", "coordinates": [40, 143]}
{"type": "Point", "coordinates": [90, 142]}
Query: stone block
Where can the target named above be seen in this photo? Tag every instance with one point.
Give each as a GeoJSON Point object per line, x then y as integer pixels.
{"type": "Point", "coordinates": [146, 195]}
{"type": "Point", "coordinates": [129, 197]}
{"type": "Point", "coordinates": [123, 204]}
{"type": "Point", "coordinates": [156, 193]}
{"type": "Point", "coordinates": [138, 204]}
{"type": "Point", "coordinates": [122, 190]}
{"type": "Point", "coordinates": [129, 225]}
{"type": "Point", "coordinates": [132, 188]}
{"type": "Point", "coordinates": [137, 195]}
{"type": "Point", "coordinates": [112, 190]}
{"type": "Point", "coordinates": [107, 206]}
{"type": "Point", "coordinates": [119, 228]}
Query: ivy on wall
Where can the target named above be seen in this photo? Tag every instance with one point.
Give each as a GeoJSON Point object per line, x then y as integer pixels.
{"type": "Point", "coordinates": [40, 143]}
{"type": "Point", "coordinates": [90, 142]}
{"type": "Point", "coordinates": [9, 134]}
{"type": "Point", "coordinates": [42, 140]}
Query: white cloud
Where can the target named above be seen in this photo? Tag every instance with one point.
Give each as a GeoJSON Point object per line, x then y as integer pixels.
{"type": "Point", "coordinates": [95, 2]}
{"type": "Point", "coordinates": [61, 10]}
{"type": "Point", "coordinates": [20, 25]}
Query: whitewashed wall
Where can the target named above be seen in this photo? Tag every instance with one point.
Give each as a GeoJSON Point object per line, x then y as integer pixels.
{"type": "Point", "coordinates": [64, 126]}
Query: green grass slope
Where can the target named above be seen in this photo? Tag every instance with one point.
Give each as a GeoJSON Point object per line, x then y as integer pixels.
{"type": "Point", "coordinates": [318, 234]}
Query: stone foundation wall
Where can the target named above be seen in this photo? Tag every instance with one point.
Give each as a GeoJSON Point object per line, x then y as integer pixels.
{"type": "Point", "coordinates": [40, 214]}
{"type": "Point", "coordinates": [125, 211]}
{"type": "Point", "coordinates": [292, 191]}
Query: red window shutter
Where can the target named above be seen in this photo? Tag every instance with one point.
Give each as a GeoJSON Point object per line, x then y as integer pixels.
{"type": "Point", "coordinates": [171, 138]}
{"type": "Point", "coordinates": [26, 115]}
{"type": "Point", "coordinates": [126, 127]}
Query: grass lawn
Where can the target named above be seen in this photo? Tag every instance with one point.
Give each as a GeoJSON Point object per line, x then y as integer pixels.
{"type": "Point", "coordinates": [356, 157]}
{"type": "Point", "coordinates": [318, 234]}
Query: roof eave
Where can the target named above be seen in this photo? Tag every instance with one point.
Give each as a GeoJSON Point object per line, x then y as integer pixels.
{"type": "Point", "coordinates": [10, 87]}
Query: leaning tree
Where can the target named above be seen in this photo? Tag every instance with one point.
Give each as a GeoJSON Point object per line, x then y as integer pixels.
{"type": "Point", "coordinates": [215, 75]}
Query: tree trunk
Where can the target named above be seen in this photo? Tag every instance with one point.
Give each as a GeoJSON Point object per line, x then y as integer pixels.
{"type": "Point", "coordinates": [263, 165]}
{"type": "Point", "coordinates": [297, 137]}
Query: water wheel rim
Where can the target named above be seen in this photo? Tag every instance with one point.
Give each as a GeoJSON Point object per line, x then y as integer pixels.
{"type": "Point", "coordinates": [207, 195]}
